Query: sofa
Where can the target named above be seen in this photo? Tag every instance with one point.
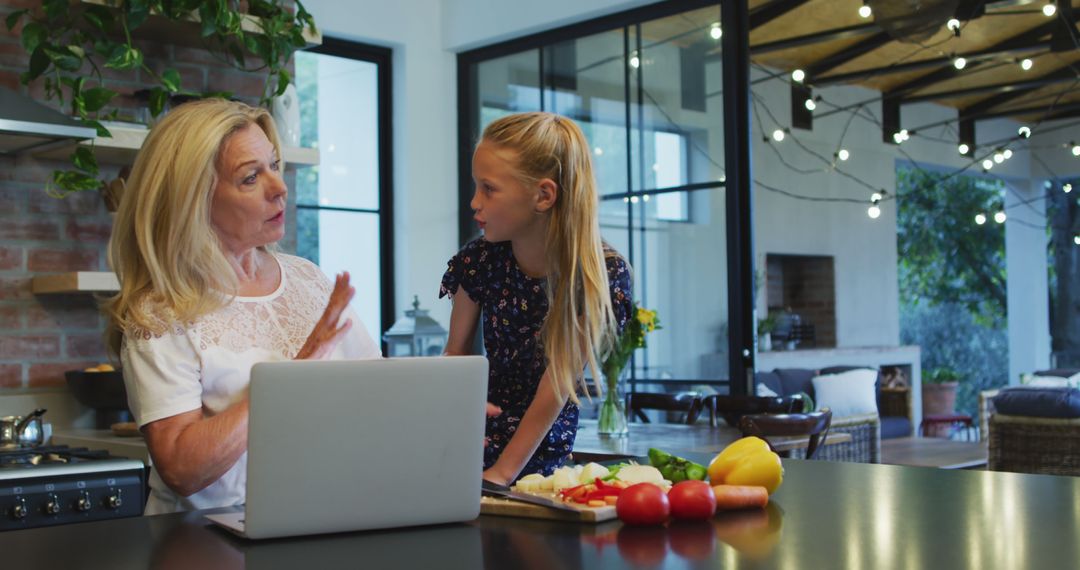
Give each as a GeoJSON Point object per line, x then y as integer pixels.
{"type": "Point", "coordinates": [1035, 429]}
{"type": "Point", "coordinates": [893, 418]}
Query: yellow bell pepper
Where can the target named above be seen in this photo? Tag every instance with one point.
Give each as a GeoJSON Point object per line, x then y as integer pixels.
{"type": "Point", "coordinates": [748, 461]}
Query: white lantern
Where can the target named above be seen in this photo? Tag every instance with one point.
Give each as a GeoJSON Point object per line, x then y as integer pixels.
{"type": "Point", "coordinates": [415, 334]}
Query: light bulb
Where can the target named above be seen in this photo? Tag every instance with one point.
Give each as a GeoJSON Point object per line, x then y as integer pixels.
{"type": "Point", "coordinates": [963, 148]}
{"type": "Point", "coordinates": [980, 219]}
{"type": "Point", "coordinates": [798, 75]}
{"type": "Point", "coordinates": [1076, 150]}
{"type": "Point", "coordinates": [633, 199]}
{"type": "Point", "coordinates": [1076, 239]}
{"type": "Point", "coordinates": [898, 138]}
{"type": "Point", "coordinates": [843, 154]}
{"type": "Point", "coordinates": [988, 164]}
{"type": "Point", "coordinates": [1066, 188]}
{"type": "Point", "coordinates": [645, 198]}
{"type": "Point", "coordinates": [1049, 10]}
{"type": "Point", "coordinates": [1008, 153]}
{"type": "Point", "coordinates": [866, 12]}
{"type": "Point", "coordinates": [778, 135]}
{"type": "Point", "coordinates": [810, 105]}
{"type": "Point", "coordinates": [874, 212]}
{"type": "Point", "coordinates": [715, 32]}
{"type": "Point", "coordinates": [598, 151]}
{"type": "Point", "coordinates": [635, 62]}
{"type": "Point", "coordinates": [959, 63]}
{"type": "Point", "coordinates": [953, 25]}
{"type": "Point", "coordinates": [999, 217]}
{"type": "Point", "coordinates": [1024, 131]}
{"type": "Point", "coordinates": [626, 200]}
{"type": "Point", "coordinates": [723, 178]}
{"type": "Point", "coordinates": [1025, 64]}
{"type": "Point", "coordinates": [999, 157]}
{"type": "Point", "coordinates": [875, 197]}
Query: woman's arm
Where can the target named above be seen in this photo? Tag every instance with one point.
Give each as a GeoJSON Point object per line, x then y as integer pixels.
{"type": "Point", "coordinates": [190, 451]}
{"type": "Point", "coordinates": [535, 424]}
{"type": "Point", "coordinates": [463, 319]}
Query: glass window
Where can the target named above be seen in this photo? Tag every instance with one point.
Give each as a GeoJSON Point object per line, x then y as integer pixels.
{"type": "Point", "coordinates": [340, 202]}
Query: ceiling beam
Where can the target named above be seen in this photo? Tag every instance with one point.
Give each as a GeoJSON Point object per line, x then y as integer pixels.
{"type": "Point", "coordinates": [1031, 40]}
{"type": "Point", "coordinates": [1065, 36]}
{"type": "Point", "coordinates": [1060, 76]}
{"type": "Point", "coordinates": [815, 38]}
{"type": "Point", "coordinates": [768, 12]}
{"type": "Point", "coordinates": [847, 54]}
{"type": "Point", "coordinates": [1042, 111]}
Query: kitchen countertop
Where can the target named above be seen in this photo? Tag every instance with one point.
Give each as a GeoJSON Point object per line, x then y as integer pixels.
{"type": "Point", "coordinates": [826, 515]}
{"type": "Point", "coordinates": [133, 447]}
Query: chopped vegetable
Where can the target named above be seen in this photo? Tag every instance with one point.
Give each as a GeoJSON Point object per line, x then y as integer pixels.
{"type": "Point", "coordinates": [732, 497]}
{"type": "Point", "coordinates": [641, 474]}
{"type": "Point", "coordinates": [675, 469]}
{"type": "Point", "coordinates": [592, 471]}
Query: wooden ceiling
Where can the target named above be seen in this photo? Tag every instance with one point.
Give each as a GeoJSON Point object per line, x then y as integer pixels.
{"type": "Point", "coordinates": [833, 44]}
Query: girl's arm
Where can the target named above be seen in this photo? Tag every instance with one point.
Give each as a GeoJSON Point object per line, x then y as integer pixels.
{"type": "Point", "coordinates": [535, 424]}
{"type": "Point", "coordinates": [463, 318]}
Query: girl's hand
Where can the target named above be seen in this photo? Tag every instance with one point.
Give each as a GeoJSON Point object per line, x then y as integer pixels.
{"type": "Point", "coordinates": [327, 334]}
{"type": "Point", "coordinates": [490, 475]}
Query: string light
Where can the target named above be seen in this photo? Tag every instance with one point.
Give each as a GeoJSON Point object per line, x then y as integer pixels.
{"type": "Point", "coordinates": [645, 198]}
{"type": "Point", "coordinates": [598, 151]}
{"type": "Point", "coordinates": [901, 136]}
{"type": "Point", "coordinates": [633, 199]}
{"type": "Point", "coordinates": [1025, 64]}
{"type": "Point", "coordinates": [1049, 9]}
{"type": "Point", "coordinates": [1075, 149]}
{"type": "Point", "coordinates": [1066, 187]}
{"type": "Point", "coordinates": [715, 32]}
{"type": "Point", "coordinates": [843, 154]}
{"type": "Point", "coordinates": [875, 197]}
{"type": "Point", "coordinates": [988, 164]}
{"type": "Point", "coordinates": [1008, 153]}
{"type": "Point", "coordinates": [635, 61]}
{"type": "Point", "coordinates": [798, 75]}
{"type": "Point", "coordinates": [963, 148]}
{"type": "Point", "coordinates": [810, 105]}
{"type": "Point", "coordinates": [778, 135]}
{"type": "Point", "coordinates": [980, 219]}
{"type": "Point", "coordinates": [1076, 239]}
{"type": "Point", "coordinates": [959, 63]}
{"type": "Point", "coordinates": [999, 217]}
{"type": "Point", "coordinates": [999, 157]}
{"type": "Point", "coordinates": [953, 25]}
{"type": "Point", "coordinates": [1024, 131]}
{"type": "Point", "coordinates": [874, 211]}
{"type": "Point", "coordinates": [866, 12]}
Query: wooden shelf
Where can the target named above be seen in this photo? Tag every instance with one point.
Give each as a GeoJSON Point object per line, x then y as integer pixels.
{"type": "Point", "coordinates": [125, 143]}
{"type": "Point", "coordinates": [188, 33]}
{"type": "Point", "coordinates": [76, 282]}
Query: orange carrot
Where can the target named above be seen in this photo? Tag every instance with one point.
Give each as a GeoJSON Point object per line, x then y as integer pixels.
{"type": "Point", "coordinates": [731, 497]}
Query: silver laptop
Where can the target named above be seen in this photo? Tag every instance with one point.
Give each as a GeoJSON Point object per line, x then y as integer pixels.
{"type": "Point", "coordinates": [346, 445]}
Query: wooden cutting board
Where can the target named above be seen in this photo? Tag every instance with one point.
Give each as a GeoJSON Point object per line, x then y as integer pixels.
{"type": "Point", "coordinates": [510, 508]}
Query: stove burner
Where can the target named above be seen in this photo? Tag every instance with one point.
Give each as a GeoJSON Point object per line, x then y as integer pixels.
{"type": "Point", "coordinates": [48, 455]}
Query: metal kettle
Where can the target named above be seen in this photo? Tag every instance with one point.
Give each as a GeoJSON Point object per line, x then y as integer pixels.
{"type": "Point", "coordinates": [19, 431]}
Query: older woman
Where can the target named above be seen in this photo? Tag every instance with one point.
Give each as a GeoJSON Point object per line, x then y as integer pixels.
{"type": "Point", "coordinates": [204, 296]}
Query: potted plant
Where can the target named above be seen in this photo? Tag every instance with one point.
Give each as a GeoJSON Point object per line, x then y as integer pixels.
{"type": "Point", "coordinates": [939, 391]}
{"type": "Point", "coordinates": [70, 46]}
{"type": "Point", "coordinates": [765, 328]}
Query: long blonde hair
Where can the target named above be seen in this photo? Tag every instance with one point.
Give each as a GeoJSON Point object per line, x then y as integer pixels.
{"type": "Point", "coordinates": [163, 247]}
{"type": "Point", "coordinates": [580, 325]}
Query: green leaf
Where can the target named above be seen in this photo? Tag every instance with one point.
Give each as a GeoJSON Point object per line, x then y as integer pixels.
{"type": "Point", "coordinates": [124, 56]}
{"type": "Point", "coordinates": [13, 18]}
{"type": "Point", "coordinates": [55, 9]}
{"type": "Point", "coordinates": [83, 159]}
{"type": "Point", "coordinates": [63, 58]}
{"type": "Point", "coordinates": [97, 97]}
{"type": "Point", "coordinates": [33, 34]}
{"type": "Point", "coordinates": [158, 98]}
{"type": "Point", "coordinates": [71, 181]}
{"type": "Point", "coordinates": [101, 130]}
{"type": "Point", "coordinates": [171, 79]}
{"type": "Point", "coordinates": [208, 16]}
{"type": "Point", "coordinates": [77, 50]}
{"type": "Point", "coordinates": [138, 12]}
{"type": "Point", "coordinates": [100, 17]}
{"type": "Point", "coordinates": [283, 82]}
{"type": "Point", "coordinates": [39, 63]}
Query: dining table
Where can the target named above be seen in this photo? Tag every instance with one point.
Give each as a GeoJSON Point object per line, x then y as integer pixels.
{"type": "Point", "coordinates": [825, 515]}
{"type": "Point", "coordinates": [696, 438]}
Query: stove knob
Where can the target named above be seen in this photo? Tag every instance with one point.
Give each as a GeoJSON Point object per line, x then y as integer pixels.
{"type": "Point", "coordinates": [52, 505]}
{"type": "Point", "coordinates": [84, 503]}
{"type": "Point", "coordinates": [114, 501]}
{"type": "Point", "coordinates": [19, 511]}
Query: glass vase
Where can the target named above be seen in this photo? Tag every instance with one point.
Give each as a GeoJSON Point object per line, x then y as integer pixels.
{"type": "Point", "coordinates": [612, 420]}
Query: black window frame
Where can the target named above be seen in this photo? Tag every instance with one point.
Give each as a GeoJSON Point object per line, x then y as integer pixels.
{"type": "Point", "coordinates": [735, 47]}
{"type": "Point", "coordinates": [382, 57]}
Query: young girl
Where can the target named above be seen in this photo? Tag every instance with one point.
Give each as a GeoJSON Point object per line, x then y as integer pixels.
{"type": "Point", "coordinates": [551, 294]}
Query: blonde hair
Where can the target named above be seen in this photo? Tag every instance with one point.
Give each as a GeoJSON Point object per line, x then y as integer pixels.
{"type": "Point", "coordinates": [163, 247]}
{"type": "Point", "coordinates": [580, 325]}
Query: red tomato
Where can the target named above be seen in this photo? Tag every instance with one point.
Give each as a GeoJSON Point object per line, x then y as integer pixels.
{"type": "Point", "coordinates": [644, 504]}
{"type": "Point", "coordinates": [692, 500]}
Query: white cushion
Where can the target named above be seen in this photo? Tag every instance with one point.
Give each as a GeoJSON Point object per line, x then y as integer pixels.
{"type": "Point", "coordinates": [765, 391]}
{"type": "Point", "coordinates": [1051, 381]}
{"type": "Point", "coordinates": [848, 393]}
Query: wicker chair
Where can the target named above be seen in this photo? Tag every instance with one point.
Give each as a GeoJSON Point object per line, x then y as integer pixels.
{"type": "Point", "coordinates": [865, 444]}
{"type": "Point", "coordinates": [1024, 444]}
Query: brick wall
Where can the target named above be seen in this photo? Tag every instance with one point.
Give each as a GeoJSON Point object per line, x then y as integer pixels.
{"type": "Point", "coordinates": [42, 336]}
{"type": "Point", "coordinates": [807, 286]}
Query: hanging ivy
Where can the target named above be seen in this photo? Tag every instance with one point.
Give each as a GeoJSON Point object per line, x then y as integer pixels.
{"type": "Point", "coordinates": [70, 46]}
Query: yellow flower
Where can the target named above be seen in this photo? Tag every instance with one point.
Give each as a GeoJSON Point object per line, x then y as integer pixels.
{"type": "Point", "coordinates": [647, 319]}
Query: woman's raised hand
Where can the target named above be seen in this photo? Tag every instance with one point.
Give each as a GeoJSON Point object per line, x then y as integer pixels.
{"type": "Point", "coordinates": [327, 333]}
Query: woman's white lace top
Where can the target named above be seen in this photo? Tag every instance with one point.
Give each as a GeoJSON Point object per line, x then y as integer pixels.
{"type": "Point", "coordinates": [206, 364]}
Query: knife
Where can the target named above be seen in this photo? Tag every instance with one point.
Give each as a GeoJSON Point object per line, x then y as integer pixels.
{"type": "Point", "coordinates": [495, 490]}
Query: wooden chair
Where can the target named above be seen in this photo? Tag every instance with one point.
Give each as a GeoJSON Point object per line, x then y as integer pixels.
{"type": "Point", "coordinates": [686, 402]}
{"type": "Point", "coordinates": [733, 408]}
{"type": "Point", "coordinates": [813, 424]}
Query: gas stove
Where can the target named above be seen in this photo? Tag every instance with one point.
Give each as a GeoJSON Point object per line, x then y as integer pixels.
{"type": "Point", "coordinates": [53, 485]}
